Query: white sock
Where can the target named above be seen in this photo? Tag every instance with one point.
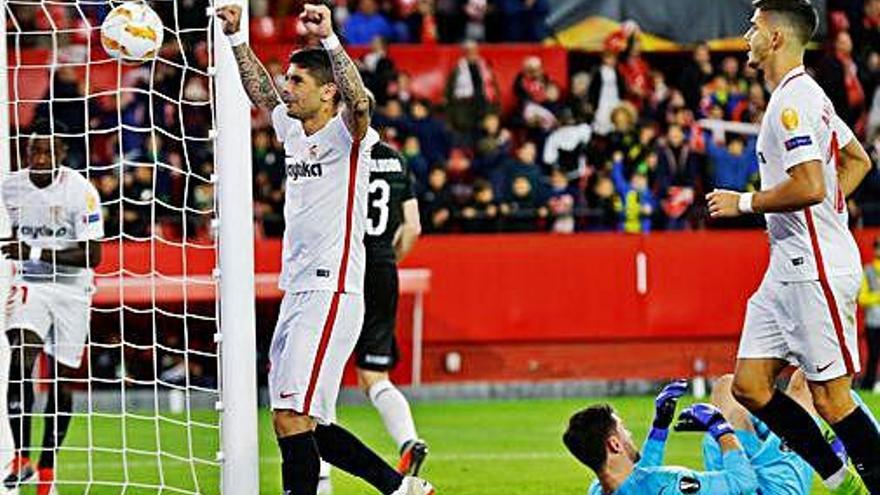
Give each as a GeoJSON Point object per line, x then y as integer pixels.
{"type": "Point", "coordinates": [836, 479]}
{"type": "Point", "coordinates": [394, 410]}
{"type": "Point", "coordinates": [325, 469]}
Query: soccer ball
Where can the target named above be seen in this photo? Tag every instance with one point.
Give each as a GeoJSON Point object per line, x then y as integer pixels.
{"type": "Point", "coordinates": [132, 32]}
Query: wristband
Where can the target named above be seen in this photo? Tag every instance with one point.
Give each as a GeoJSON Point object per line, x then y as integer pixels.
{"type": "Point", "coordinates": [237, 38]}
{"type": "Point", "coordinates": [720, 429]}
{"type": "Point", "coordinates": [331, 42]}
{"type": "Point", "coordinates": [745, 202]}
{"type": "Point", "coordinates": [36, 254]}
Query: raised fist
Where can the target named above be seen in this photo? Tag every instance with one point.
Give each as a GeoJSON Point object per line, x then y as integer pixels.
{"type": "Point", "coordinates": [231, 17]}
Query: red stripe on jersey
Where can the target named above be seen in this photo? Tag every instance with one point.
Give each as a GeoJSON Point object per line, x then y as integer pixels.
{"type": "Point", "coordinates": [839, 200]}
{"type": "Point", "coordinates": [322, 351]}
{"type": "Point", "coordinates": [829, 295]}
{"type": "Point", "coordinates": [349, 211]}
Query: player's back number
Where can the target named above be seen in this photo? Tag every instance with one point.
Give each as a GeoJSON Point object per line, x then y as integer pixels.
{"type": "Point", "coordinates": [379, 199]}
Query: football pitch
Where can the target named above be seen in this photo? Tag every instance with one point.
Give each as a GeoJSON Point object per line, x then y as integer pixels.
{"type": "Point", "coordinates": [477, 448]}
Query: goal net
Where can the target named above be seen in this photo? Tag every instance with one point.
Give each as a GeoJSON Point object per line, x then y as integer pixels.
{"type": "Point", "coordinates": [151, 401]}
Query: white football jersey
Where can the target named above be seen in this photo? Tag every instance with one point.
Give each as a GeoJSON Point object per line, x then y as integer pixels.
{"type": "Point", "coordinates": [800, 125]}
{"type": "Point", "coordinates": [58, 216]}
{"type": "Point", "coordinates": [325, 206]}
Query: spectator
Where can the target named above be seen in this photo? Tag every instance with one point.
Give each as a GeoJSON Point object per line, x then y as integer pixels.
{"type": "Point", "coordinates": [736, 84]}
{"type": "Point", "coordinates": [677, 170]}
{"type": "Point", "coordinates": [636, 73]}
{"type": "Point", "coordinates": [603, 205]}
{"type": "Point", "coordinates": [435, 204]}
{"type": "Point", "coordinates": [607, 89]}
{"type": "Point", "coordinates": [752, 109]}
{"type": "Point", "coordinates": [377, 69]}
{"type": "Point", "coordinates": [579, 98]}
{"type": "Point", "coordinates": [696, 74]}
{"type": "Point", "coordinates": [734, 166]}
{"type": "Point", "coordinates": [530, 88]}
{"type": "Point", "coordinates": [561, 203]}
{"type": "Point", "coordinates": [481, 213]}
{"type": "Point", "coordinates": [869, 300]}
{"type": "Point", "coordinates": [625, 135]}
{"type": "Point", "coordinates": [493, 148]}
{"type": "Point", "coordinates": [450, 20]}
{"type": "Point", "coordinates": [471, 92]}
{"type": "Point", "coordinates": [524, 165]}
{"type": "Point", "coordinates": [460, 177]}
{"type": "Point", "coordinates": [475, 26]}
{"type": "Point", "coordinates": [430, 130]}
{"type": "Point", "coordinates": [636, 204]}
{"type": "Point", "coordinates": [417, 164]}
{"type": "Point", "coordinates": [392, 120]}
{"type": "Point", "coordinates": [839, 76]}
{"type": "Point", "coordinates": [523, 211]}
{"type": "Point", "coordinates": [866, 36]}
{"type": "Point", "coordinates": [366, 23]}
{"type": "Point", "coordinates": [422, 24]}
{"type": "Point", "coordinates": [566, 147]}
{"type": "Point", "coordinates": [524, 20]}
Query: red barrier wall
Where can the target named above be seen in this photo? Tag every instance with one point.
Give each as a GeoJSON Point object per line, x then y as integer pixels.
{"type": "Point", "coordinates": [538, 306]}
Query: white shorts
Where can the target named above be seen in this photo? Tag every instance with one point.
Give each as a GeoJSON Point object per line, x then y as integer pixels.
{"type": "Point", "coordinates": [314, 337]}
{"type": "Point", "coordinates": [59, 314]}
{"type": "Point", "coordinates": [810, 323]}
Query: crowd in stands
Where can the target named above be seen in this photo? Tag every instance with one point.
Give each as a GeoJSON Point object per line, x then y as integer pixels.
{"type": "Point", "coordinates": [618, 147]}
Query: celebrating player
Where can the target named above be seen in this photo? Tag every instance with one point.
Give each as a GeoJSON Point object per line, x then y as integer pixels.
{"type": "Point", "coordinates": [56, 222]}
{"type": "Point", "coordinates": [322, 117]}
{"type": "Point", "coordinates": [805, 308]}
{"type": "Point", "coordinates": [392, 229]}
{"type": "Point", "coordinates": [598, 438]}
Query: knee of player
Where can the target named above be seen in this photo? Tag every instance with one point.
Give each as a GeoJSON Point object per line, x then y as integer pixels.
{"type": "Point", "coordinates": [749, 394]}
{"type": "Point", "coordinates": [833, 408]}
{"type": "Point", "coordinates": [288, 422]}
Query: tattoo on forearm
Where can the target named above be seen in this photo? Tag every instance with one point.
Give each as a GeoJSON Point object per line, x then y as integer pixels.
{"type": "Point", "coordinates": [256, 80]}
{"type": "Point", "coordinates": [348, 79]}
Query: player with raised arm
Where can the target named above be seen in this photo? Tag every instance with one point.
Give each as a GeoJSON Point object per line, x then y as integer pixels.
{"type": "Point", "coordinates": [56, 223]}
{"type": "Point", "coordinates": [322, 116]}
{"type": "Point", "coordinates": [805, 308]}
{"type": "Point", "coordinates": [393, 226]}
{"type": "Point", "coordinates": [597, 437]}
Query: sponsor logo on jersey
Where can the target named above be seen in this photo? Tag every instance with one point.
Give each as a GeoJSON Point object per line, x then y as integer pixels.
{"type": "Point", "coordinates": [797, 142]}
{"type": "Point", "coordinates": [790, 119]}
{"type": "Point", "coordinates": [688, 484]}
{"type": "Point", "coordinates": [381, 165]}
{"type": "Point", "coordinates": [303, 170]}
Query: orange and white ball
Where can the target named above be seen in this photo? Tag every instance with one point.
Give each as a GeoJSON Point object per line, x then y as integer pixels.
{"type": "Point", "coordinates": [132, 31]}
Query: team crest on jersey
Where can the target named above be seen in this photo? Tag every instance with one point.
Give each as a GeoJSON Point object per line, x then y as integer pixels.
{"type": "Point", "coordinates": [790, 119]}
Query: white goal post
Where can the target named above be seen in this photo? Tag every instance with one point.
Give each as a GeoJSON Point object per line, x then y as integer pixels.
{"type": "Point", "coordinates": [239, 439]}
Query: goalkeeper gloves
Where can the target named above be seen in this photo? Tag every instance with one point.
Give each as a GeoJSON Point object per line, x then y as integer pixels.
{"type": "Point", "coordinates": [703, 417]}
{"type": "Point", "coordinates": [665, 403]}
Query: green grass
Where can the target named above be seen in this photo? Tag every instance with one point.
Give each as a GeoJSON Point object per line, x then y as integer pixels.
{"type": "Point", "coordinates": [477, 448]}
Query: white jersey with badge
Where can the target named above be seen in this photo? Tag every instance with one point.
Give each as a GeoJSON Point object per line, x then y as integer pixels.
{"type": "Point", "coordinates": [58, 216]}
{"type": "Point", "coordinates": [325, 205]}
{"type": "Point", "coordinates": [800, 125]}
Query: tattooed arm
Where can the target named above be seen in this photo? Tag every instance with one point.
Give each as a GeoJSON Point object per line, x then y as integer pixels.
{"type": "Point", "coordinates": [256, 80]}
{"type": "Point", "coordinates": [317, 20]}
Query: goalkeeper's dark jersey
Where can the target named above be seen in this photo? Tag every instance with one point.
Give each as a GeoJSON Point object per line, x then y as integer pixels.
{"type": "Point", "coordinates": [390, 186]}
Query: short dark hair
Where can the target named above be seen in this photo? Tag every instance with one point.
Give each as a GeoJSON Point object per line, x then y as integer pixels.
{"type": "Point", "coordinates": [43, 127]}
{"type": "Point", "coordinates": [587, 432]}
{"type": "Point", "coordinates": [799, 13]}
{"type": "Point", "coordinates": [317, 62]}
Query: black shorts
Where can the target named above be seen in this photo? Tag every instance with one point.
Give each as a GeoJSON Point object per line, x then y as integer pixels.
{"type": "Point", "coordinates": [376, 349]}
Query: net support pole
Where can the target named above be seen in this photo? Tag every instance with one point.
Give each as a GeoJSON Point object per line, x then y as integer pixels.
{"type": "Point", "coordinates": [6, 444]}
{"type": "Point", "coordinates": [240, 454]}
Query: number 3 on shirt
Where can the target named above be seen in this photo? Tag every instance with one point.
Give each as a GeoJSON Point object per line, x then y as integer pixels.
{"type": "Point", "coordinates": [380, 195]}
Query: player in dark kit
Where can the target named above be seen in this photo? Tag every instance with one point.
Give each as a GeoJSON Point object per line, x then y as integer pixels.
{"type": "Point", "coordinates": [392, 229]}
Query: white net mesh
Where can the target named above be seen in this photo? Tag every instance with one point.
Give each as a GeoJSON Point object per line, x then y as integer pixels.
{"type": "Point", "coordinates": [143, 417]}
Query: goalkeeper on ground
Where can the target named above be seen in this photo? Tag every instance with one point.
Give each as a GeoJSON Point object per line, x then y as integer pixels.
{"type": "Point", "coordinates": [56, 223]}
{"type": "Point", "coordinates": [598, 438]}
{"type": "Point", "coordinates": [780, 471]}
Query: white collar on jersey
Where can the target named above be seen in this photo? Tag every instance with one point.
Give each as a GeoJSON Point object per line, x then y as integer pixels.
{"type": "Point", "coordinates": [800, 69]}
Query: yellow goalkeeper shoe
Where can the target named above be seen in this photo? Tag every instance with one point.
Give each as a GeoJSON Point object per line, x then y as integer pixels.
{"type": "Point", "coordinates": [852, 485]}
